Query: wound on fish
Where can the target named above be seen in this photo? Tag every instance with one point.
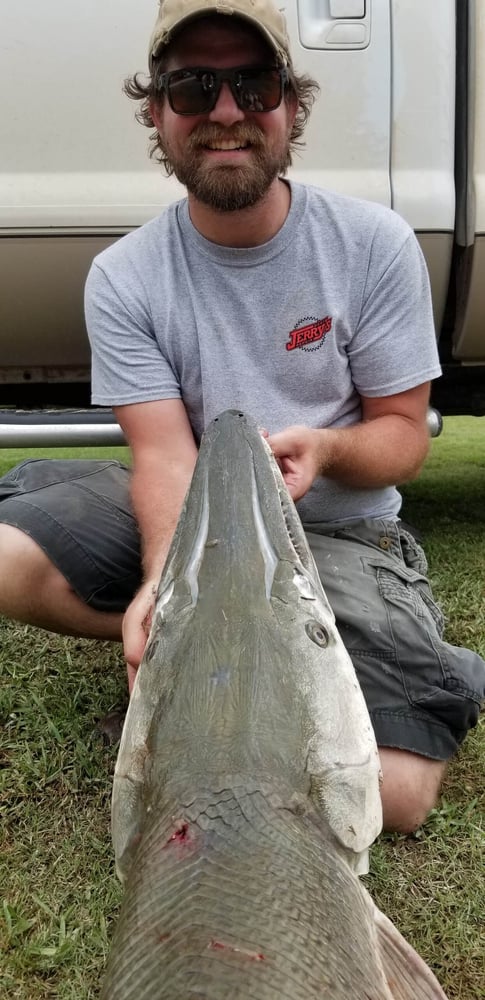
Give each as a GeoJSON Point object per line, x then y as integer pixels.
{"type": "Point", "coordinates": [180, 834]}
{"type": "Point", "coordinates": [253, 955]}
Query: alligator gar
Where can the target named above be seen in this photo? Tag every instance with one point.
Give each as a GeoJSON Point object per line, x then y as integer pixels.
{"type": "Point", "coordinates": [246, 790]}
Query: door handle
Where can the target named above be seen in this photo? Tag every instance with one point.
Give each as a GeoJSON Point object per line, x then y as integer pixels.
{"type": "Point", "coordinates": [334, 24]}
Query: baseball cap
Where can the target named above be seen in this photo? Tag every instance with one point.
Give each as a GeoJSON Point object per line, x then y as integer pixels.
{"type": "Point", "coordinates": [263, 14]}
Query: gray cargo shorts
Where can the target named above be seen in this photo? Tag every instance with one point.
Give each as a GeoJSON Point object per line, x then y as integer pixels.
{"type": "Point", "coordinates": [422, 693]}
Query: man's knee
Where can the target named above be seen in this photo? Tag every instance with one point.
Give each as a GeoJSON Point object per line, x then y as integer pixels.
{"type": "Point", "coordinates": [26, 572]}
{"type": "Point", "coordinates": [34, 591]}
{"type": "Point", "coordinates": [20, 553]}
{"type": "Point", "coordinates": [410, 788]}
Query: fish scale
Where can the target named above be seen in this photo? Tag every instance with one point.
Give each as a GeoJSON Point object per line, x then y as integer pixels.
{"type": "Point", "coordinates": [248, 901]}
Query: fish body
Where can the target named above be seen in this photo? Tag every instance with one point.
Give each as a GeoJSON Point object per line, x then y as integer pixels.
{"type": "Point", "coordinates": [246, 791]}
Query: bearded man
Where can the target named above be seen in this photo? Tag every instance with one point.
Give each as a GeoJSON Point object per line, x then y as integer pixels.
{"type": "Point", "coordinates": [308, 310]}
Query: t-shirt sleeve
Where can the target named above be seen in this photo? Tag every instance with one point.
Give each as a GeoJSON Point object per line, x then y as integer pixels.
{"type": "Point", "coordinates": [128, 365]}
{"type": "Point", "coordinates": [394, 346]}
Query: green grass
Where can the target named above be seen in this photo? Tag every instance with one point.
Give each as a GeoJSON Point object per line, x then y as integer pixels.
{"type": "Point", "coordinates": [59, 893]}
{"type": "Point", "coordinates": [12, 456]}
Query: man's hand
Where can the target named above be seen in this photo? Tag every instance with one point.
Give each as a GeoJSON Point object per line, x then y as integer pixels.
{"type": "Point", "coordinates": [385, 448]}
{"type": "Point", "coordinates": [136, 626]}
{"type": "Point", "coordinates": [298, 451]}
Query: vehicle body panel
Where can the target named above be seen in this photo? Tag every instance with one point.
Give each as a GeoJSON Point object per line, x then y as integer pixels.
{"type": "Point", "coordinates": [400, 120]}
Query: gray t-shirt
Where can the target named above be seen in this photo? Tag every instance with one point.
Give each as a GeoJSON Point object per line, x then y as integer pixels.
{"type": "Point", "coordinates": [335, 306]}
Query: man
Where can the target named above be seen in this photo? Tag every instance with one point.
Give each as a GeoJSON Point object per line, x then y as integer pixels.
{"type": "Point", "coordinates": [308, 310]}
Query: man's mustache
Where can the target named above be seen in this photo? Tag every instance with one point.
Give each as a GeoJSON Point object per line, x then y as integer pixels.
{"type": "Point", "coordinates": [209, 135]}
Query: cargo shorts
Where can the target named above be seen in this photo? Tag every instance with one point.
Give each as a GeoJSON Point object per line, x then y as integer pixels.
{"type": "Point", "coordinates": [423, 694]}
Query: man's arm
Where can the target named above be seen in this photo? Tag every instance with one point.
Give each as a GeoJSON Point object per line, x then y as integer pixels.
{"type": "Point", "coordinates": [163, 455]}
{"type": "Point", "coordinates": [387, 447]}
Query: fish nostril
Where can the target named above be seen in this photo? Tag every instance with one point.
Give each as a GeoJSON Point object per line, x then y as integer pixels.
{"type": "Point", "coordinates": [317, 633]}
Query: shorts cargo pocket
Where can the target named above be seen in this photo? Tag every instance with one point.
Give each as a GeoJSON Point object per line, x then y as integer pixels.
{"type": "Point", "coordinates": [405, 586]}
{"type": "Point", "coordinates": [437, 677]}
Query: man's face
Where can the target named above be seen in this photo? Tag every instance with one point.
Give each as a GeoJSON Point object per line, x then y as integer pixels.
{"type": "Point", "coordinates": [226, 158]}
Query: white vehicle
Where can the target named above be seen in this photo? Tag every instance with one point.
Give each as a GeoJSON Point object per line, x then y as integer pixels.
{"type": "Point", "coordinates": [400, 120]}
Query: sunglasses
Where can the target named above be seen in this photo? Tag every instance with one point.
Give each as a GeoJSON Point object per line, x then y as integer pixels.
{"type": "Point", "coordinates": [196, 91]}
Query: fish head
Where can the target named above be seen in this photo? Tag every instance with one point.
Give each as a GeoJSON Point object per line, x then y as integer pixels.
{"type": "Point", "coordinates": [245, 672]}
{"type": "Point", "coordinates": [239, 543]}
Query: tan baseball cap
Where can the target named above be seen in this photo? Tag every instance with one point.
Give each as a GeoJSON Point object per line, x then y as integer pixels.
{"type": "Point", "coordinates": [263, 14]}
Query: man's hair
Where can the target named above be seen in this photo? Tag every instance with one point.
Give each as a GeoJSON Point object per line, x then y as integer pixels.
{"type": "Point", "coordinates": [299, 86]}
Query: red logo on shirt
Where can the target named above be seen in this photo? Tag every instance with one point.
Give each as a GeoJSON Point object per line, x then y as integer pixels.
{"type": "Point", "coordinates": [311, 333]}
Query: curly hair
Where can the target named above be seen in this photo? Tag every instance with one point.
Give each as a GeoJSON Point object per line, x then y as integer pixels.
{"type": "Point", "coordinates": [299, 86]}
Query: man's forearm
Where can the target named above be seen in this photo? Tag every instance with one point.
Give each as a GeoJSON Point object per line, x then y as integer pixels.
{"type": "Point", "coordinates": [386, 451]}
{"type": "Point", "coordinates": [158, 495]}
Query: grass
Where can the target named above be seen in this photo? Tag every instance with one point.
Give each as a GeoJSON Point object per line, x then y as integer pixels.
{"type": "Point", "coordinates": [12, 456]}
{"type": "Point", "coordinates": [433, 885]}
{"type": "Point", "coordinates": [59, 891]}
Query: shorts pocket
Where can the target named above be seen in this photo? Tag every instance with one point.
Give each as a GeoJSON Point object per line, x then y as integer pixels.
{"type": "Point", "coordinates": [415, 622]}
{"type": "Point", "coordinates": [405, 587]}
{"type": "Point", "coordinates": [436, 676]}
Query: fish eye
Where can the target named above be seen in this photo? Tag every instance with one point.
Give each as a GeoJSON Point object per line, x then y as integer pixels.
{"type": "Point", "coordinates": [317, 633]}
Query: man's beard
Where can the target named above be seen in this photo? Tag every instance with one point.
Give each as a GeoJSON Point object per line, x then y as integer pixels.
{"type": "Point", "coordinates": [228, 188]}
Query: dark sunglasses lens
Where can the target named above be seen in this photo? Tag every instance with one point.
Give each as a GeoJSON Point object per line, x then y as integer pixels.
{"type": "Point", "coordinates": [191, 94]}
{"type": "Point", "coordinates": [196, 92]}
{"type": "Point", "coordinates": [259, 91]}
